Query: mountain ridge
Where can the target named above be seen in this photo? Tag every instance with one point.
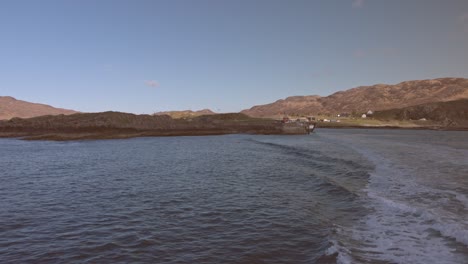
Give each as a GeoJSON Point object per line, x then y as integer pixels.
{"type": "Point", "coordinates": [11, 107]}
{"type": "Point", "coordinates": [364, 98]}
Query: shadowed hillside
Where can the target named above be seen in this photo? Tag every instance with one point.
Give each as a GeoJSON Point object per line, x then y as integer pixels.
{"type": "Point", "coordinates": [448, 114]}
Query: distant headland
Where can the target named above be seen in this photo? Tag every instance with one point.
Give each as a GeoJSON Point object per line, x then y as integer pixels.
{"type": "Point", "coordinates": [427, 104]}
{"type": "Point", "coordinates": [115, 125]}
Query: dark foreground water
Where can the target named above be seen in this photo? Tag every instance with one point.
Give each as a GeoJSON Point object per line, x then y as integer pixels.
{"type": "Point", "coordinates": [337, 196]}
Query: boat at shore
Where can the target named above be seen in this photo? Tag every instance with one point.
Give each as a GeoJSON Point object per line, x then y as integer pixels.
{"type": "Point", "coordinates": [311, 127]}
{"type": "Point", "coordinates": [308, 124]}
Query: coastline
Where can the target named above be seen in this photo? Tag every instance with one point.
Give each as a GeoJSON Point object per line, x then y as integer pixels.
{"type": "Point", "coordinates": [439, 128]}
{"type": "Point", "coordinates": [392, 124]}
{"type": "Point", "coordinates": [114, 125]}
{"type": "Point", "coordinates": [126, 134]}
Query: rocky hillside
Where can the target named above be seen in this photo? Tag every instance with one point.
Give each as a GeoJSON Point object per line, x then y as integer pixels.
{"type": "Point", "coordinates": [361, 99]}
{"type": "Point", "coordinates": [186, 113]}
{"type": "Point", "coordinates": [124, 125]}
{"type": "Point", "coordinates": [447, 114]}
{"type": "Point", "coordinates": [105, 120]}
{"type": "Point", "coordinates": [10, 107]}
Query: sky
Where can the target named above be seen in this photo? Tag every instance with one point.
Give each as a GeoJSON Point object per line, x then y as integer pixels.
{"type": "Point", "coordinates": [147, 56]}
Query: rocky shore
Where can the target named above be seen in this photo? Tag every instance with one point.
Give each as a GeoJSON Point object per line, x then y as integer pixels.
{"type": "Point", "coordinates": [415, 127]}
{"type": "Point", "coordinates": [115, 125]}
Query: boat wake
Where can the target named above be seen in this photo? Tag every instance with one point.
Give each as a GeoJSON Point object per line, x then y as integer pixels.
{"type": "Point", "coordinates": [408, 221]}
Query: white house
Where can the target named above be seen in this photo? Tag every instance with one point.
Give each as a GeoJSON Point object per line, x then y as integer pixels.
{"type": "Point", "coordinates": [364, 116]}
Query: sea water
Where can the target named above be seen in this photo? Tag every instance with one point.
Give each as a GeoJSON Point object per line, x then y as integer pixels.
{"type": "Point", "coordinates": [335, 196]}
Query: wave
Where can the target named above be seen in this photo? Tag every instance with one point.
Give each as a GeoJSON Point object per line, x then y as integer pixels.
{"type": "Point", "coordinates": [336, 253]}
{"type": "Point", "coordinates": [311, 154]}
{"type": "Point", "coordinates": [410, 219]}
{"type": "Point", "coordinates": [335, 180]}
{"type": "Point", "coordinates": [405, 219]}
{"type": "Point", "coordinates": [338, 180]}
{"type": "Point", "coordinates": [413, 225]}
{"type": "Point", "coordinates": [427, 220]}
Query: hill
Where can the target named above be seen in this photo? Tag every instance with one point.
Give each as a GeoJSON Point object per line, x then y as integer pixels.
{"type": "Point", "coordinates": [10, 107]}
{"type": "Point", "coordinates": [364, 98]}
{"type": "Point", "coordinates": [446, 114]}
{"type": "Point", "coordinates": [109, 125]}
{"type": "Point", "coordinates": [186, 113]}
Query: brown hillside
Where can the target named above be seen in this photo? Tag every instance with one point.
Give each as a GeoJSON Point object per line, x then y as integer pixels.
{"type": "Point", "coordinates": [10, 107]}
{"type": "Point", "coordinates": [124, 125]}
{"type": "Point", "coordinates": [90, 121]}
{"type": "Point", "coordinates": [449, 114]}
{"type": "Point", "coordinates": [186, 113]}
{"type": "Point", "coordinates": [376, 97]}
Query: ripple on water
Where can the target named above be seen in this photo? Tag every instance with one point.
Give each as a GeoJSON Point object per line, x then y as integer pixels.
{"type": "Point", "coordinates": [329, 197]}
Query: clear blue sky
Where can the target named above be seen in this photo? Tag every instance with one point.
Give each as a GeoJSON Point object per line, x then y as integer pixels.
{"type": "Point", "coordinates": [145, 56]}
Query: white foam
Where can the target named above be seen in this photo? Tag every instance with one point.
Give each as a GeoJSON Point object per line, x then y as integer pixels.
{"type": "Point", "coordinates": [400, 231]}
{"type": "Point", "coordinates": [409, 221]}
{"type": "Point", "coordinates": [460, 197]}
{"type": "Point", "coordinates": [344, 256]}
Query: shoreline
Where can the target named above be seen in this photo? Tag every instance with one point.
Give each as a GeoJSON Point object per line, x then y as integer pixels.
{"type": "Point", "coordinates": [115, 125]}
{"type": "Point", "coordinates": [436, 128]}
{"type": "Point", "coordinates": [71, 136]}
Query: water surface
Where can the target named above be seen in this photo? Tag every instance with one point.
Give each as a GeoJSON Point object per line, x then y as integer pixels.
{"type": "Point", "coordinates": [345, 196]}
